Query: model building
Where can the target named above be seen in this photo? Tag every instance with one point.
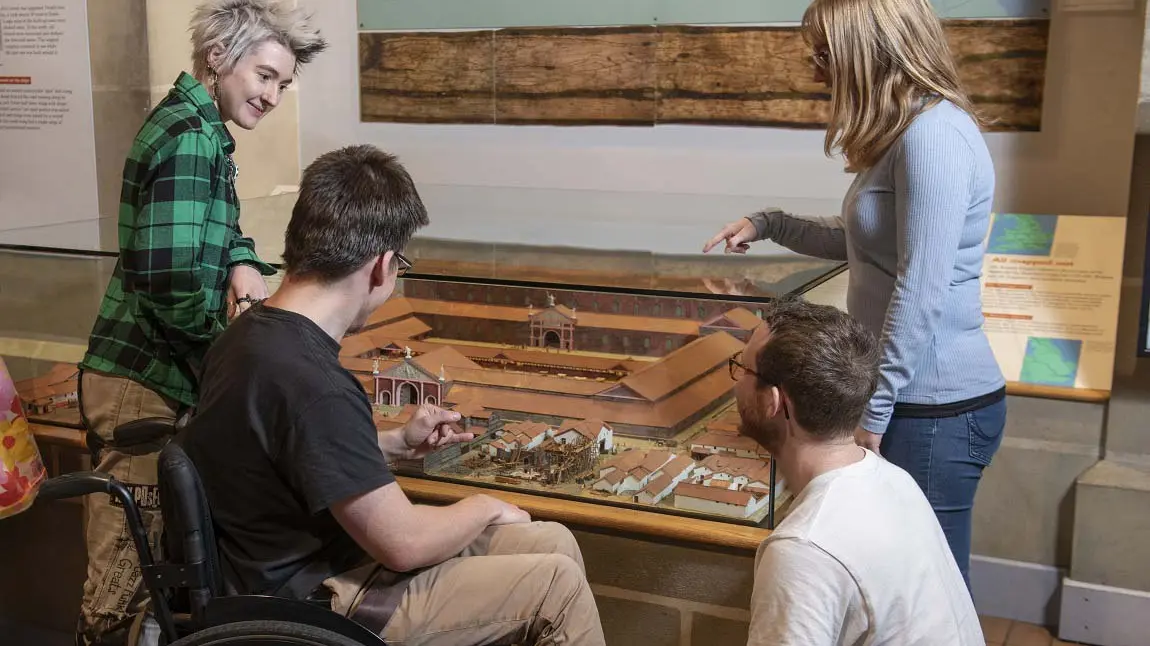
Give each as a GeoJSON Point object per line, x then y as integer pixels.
{"type": "Point", "coordinates": [597, 404]}
{"type": "Point", "coordinates": [52, 397]}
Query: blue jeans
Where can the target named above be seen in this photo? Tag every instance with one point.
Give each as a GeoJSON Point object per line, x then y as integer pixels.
{"type": "Point", "coordinates": [946, 456]}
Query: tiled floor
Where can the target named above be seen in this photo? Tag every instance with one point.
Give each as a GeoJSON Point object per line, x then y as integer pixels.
{"type": "Point", "coordinates": [1004, 632]}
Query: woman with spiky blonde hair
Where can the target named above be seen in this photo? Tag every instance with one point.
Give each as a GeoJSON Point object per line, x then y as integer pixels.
{"type": "Point", "coordinates": [184, 270]}
{"type": "Point", "coordinates": [911, 229]}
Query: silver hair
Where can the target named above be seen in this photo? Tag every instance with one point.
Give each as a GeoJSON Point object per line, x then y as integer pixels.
{"type": "Point", "coordinates": [240, 26]}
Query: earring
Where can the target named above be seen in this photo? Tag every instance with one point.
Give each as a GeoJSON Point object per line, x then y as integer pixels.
{"type": "Point", "coordinates": [215, 85]}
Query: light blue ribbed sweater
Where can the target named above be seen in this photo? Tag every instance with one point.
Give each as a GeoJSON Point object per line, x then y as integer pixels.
{"type": "Point", "coordinates": [912, 230]}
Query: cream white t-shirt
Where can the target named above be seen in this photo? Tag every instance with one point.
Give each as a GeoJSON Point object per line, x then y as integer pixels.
{"type": "Point", "coordinates": [861, 559]}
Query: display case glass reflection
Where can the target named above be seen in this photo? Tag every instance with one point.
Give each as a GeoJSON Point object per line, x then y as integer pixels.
{"type": "Point", "coordinates": [584, 375]}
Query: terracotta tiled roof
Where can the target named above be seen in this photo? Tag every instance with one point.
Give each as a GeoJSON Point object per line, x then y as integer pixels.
{"type": "Point", "coordinates": [59, 380]}
{"type": "Point", "coordinates": [448, 359]}
{"type": "Point", "coordinates": [472, 410]}
{"type": "Point", "coordinates": [399, 332]}
{"type": "Point", "coordinates": [667, 375]}
{"type": "Point", "coordinates": [355, 345]}
{"type": "Point", "coordinates": [738, 317]}
{"type": "Point", "coordinates": [407, 328]}
{"type": "Point", "coordinates": [758, 491]}
{"type": "Point", "coordinates": [713, 494]}
{"type": "Point", "coordinates": [395, 308]}
{"type": "Point", "coordinates": [588, 428]}
{"type": "Point", "coordinates": [615, 477]}
{"type": "Point", "coordinates": [600, 321]}
{"type": "Point", "coordinates": [663, 414]}
{"type": "Point", "coordinates": [524, 382]}
{"type": "Point", "coordinates": [625, 461]}
{"type": "Point", "coordinates": [530, 430]}
{"type": "Point", "coordinates": [730, 441]}
{"type": "Point", "coordinates": [658, 484]}
{"type": "Point", "coordinates": [655, 459]}
{"type": "Point", "coordinates": [752, 468]}
{"type": "Point", "coordinates": [677, 465]}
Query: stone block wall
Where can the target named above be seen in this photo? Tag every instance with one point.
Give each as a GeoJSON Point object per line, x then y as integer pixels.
{"type": "Point", "coordinates": [668, 594]}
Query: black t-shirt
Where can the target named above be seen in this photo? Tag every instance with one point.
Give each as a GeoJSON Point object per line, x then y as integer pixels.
{"type": "Point", "coordinates": [281, 432]}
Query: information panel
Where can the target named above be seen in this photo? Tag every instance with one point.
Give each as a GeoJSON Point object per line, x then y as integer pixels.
{"type": "Point", "coordinates": [48, 163]}
{"type": "Point", "coordinates": [1050, 290]}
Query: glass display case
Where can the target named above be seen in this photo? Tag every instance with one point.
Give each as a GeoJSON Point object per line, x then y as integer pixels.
{"type": "Point", "coordinates": [589, 375]}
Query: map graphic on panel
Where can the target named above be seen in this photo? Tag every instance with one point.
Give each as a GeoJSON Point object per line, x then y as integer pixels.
{"type": "Point", "coordinates": [1022, 234]}
{"type": "Point", "coordinates": [1051, 362]}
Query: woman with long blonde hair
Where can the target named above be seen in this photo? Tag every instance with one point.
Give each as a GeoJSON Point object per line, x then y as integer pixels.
{"type": "Point", "coordinates": [911, 230]}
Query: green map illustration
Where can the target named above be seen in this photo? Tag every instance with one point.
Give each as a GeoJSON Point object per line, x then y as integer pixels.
{"type": "Point", "coordinates": [1022, 234]}
{"type": "Point", "coordinates": [1051, 362]}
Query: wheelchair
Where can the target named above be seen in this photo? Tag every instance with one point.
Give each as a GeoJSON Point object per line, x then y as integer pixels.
{"type": "Point", "coordinates": [186, 587]}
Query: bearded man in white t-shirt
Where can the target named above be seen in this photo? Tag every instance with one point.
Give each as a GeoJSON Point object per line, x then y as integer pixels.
{"type": "Point", "coordinates": [860, 558]}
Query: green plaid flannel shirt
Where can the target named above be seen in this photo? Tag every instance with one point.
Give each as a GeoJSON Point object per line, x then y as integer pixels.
{"type": "Point", "coordinates": [179, 235]}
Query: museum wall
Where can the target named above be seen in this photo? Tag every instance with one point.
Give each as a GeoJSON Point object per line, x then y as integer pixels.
{"type": "Point", "coordinates": [118, 45]}
{"type": "Point", "coordinates": [38, 302]}
{"type": "Point", "coordinates": [619, 186]}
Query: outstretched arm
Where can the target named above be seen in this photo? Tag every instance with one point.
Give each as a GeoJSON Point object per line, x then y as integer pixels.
{"type": "Point", "coordinates": [821, 237]}
{"type": "Point", "coordinates": [932, 176]}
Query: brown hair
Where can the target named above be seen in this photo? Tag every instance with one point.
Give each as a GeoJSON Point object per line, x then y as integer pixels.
{"type": "Point", "coordinates": [354, 204]}
{"type": "Point", "coordinates": [824, 360]}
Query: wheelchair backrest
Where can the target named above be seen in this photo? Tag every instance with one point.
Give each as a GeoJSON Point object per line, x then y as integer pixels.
{"type": "Point", "coordinates": [189, 535]}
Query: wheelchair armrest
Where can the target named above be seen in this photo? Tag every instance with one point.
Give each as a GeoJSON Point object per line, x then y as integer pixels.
{"type": "Point", "coordinates": [141, 431]}
{"type": "Point", "coordinates": [73, 485]}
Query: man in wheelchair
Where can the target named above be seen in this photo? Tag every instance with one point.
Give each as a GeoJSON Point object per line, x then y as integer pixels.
{"type": "Point", "coordinates": [296, 474]}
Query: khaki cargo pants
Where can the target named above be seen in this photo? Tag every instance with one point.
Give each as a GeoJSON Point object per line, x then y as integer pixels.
{"type": "Point", "coordinates": [114, 594]}
{"type": "Point", "coordinates": [515, 584]}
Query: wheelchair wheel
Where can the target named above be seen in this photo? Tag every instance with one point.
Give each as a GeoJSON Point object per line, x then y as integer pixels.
{"type": "Point", "coordinates": [266, 633]}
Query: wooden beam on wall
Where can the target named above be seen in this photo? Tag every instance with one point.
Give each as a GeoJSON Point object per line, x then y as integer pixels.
{"type": "Point", "coordinates": [584, 76]}
{"type": "Point", "coordinates": [427, 77]}
{"type": "Point", "coordinates": [646, 75]}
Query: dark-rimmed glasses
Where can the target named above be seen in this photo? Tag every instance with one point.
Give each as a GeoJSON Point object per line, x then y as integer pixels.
{"type": "Point", "coordinates": [736, 367]}
{"type": "Point", "coordinates": [403, 263]}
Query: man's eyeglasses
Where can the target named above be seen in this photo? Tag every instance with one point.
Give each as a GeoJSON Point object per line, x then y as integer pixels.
{"type": "Point", "coordinates": [403, 263]}
{"type": "Point", "coordinates": [736, 367]}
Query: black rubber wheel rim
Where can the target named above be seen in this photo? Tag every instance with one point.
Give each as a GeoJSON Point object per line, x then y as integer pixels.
{"type": "Point", "coordinates": [266, 633]}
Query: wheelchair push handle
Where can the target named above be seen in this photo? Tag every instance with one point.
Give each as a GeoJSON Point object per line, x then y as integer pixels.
{"type": "Point", "coordinates": [74, 485]}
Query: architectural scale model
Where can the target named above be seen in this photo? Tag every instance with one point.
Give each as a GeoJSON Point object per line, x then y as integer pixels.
{"type": "Point", "coordinates": [637, 409]}
{"type": "Point", "coordinates": [52, 397]}
{"type": "Point", "coordinates": [605, 405]}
